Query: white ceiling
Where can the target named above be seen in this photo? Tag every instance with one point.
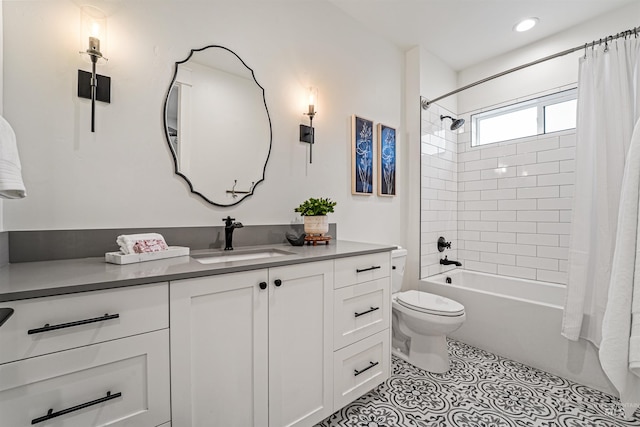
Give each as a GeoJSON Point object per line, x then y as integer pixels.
{"type": "Point", "coordinates": [465, 32]}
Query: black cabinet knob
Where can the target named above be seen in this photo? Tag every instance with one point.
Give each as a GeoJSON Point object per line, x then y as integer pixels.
{"type": "Point", "coordinates": [277, 282]}
{"type": "Point", "coordinates": [263, 285]}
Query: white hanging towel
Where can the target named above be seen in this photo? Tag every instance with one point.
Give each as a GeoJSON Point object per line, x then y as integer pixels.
{"type": "Point", "coordinates": [11, 185]}
{"type": "Point", "coordinates": [620, 346]}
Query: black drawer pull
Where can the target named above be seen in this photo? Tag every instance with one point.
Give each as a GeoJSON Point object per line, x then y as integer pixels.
{"type": "Point", "coordinates": [373, 267]}
{"type": "Point", "coordinates": [263, 285]}
{"type": "Point", "coordinates": [371, 365]}
{"type": "Point", "coordinates": [368, 311]}
{"type": "Point", "coordinates": [51, 414]}
{"type": "Point", "coordinates": [277, 282]}
{"type": "Point", "coordinates": [47, 327]}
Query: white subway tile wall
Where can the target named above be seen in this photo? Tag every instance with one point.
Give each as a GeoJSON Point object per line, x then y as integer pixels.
{"type": "Point", "coordinates": [439, 195]}
{"type": "Point", "coordinates": [531, 222]}
{"type": "Point", "coordinates": [505, 207]}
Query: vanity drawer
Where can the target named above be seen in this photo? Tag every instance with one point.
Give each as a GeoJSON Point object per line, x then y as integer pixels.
{"type": "Point", "coordinates": [360, 367]}
{"type": "Point", "coordinates": [360, 310]}
{"type": "Point", "coordinates": [80, 319]}
{"type": "Point", "coordinates": [362, 268]}
{"type": "Point", "coordinates": [86, 381]}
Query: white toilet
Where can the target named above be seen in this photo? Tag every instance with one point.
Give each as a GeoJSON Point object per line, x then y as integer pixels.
{"type": "Point", "coordinates": [421, 322]}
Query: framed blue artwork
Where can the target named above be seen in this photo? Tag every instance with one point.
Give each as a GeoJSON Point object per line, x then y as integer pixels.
{"type": "Point", "coordinates": [386, 160]}
{"type": "Point", "coordinates": [361, 156]}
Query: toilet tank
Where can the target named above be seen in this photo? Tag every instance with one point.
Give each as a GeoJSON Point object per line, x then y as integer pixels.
{"type": "Point", "coordinates": [398, 261]}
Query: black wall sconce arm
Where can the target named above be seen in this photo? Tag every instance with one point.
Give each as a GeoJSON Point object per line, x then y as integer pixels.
{"type": "Point", "coordinates": [307, 135]}
{"type": "Point", "coordinates": [94, 87]}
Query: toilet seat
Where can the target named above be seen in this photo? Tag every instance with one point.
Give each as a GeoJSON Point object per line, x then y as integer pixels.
{"type": "Point", "coordinates": [429, 303]}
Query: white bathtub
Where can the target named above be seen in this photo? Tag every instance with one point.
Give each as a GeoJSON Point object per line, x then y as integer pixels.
{"type": "Point", "coordinates": [521, 320]}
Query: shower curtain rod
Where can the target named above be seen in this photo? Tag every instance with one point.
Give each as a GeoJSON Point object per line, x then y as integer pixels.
{"type": "Point", "coordinates": [427, 103]}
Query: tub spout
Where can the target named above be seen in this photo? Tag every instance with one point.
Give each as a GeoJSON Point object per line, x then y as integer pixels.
{"type": "Point", "coordinates": [446, 261]}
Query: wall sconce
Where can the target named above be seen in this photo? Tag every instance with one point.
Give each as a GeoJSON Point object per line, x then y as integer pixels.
{"type": "Point", "coordinates": [307, 132]}
{"type": "Point", "coordinates": [93, 29]}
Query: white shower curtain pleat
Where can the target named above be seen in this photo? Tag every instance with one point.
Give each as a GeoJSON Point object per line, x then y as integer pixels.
{"type": "Point", "coordinates": [607, 111]}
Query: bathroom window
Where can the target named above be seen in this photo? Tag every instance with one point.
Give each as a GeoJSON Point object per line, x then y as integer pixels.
{"type": "Point", "coordinates": [546, 114]}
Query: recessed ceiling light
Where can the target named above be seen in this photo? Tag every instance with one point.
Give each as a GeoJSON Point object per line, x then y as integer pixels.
{"type": "Point", "coordinates": [525, 24]}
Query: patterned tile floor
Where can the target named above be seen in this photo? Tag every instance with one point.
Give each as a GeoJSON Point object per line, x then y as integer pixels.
{"type": "Point", "coordinates": [480, 390]}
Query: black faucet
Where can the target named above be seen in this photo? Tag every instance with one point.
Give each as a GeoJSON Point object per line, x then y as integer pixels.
{"type": "Point", "coordinates": [445, 261]}
{"type": "Point", "coordinates": [229, 226]}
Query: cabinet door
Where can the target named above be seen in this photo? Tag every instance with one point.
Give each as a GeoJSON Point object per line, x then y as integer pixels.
{"type": "Point", "coordinates": [123, 382]}
{"type": "Point", "coordinates": [300, 344]}
{"type": "Point", "coordinates": [219, 359]}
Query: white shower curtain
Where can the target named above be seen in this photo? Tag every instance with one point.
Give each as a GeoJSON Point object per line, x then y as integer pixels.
{"type": "Point", "coordinates": [604, 261]}
{"type": "Point", "coordinates": [608, 108]}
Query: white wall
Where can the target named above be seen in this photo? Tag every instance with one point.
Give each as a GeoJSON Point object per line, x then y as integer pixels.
{"type": "Point", "coordinates": [436, 79]}
{"type": "Point", "coordinates": [551, 74]}
{"type": "Point", "coordinates": [122, 175]}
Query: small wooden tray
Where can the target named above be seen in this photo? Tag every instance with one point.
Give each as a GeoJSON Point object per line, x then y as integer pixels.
{"type": "Point", "coordinates": [315, 238]}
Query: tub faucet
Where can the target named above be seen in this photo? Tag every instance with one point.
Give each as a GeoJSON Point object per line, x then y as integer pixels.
{"type": "Point", "coordinates": [446, 261]}
{"type": "Point", "coordinates": [229, 226]}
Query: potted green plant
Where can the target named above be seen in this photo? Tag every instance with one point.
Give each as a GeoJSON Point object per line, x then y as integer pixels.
{"type": "Point", "coordinates": [315, 213]}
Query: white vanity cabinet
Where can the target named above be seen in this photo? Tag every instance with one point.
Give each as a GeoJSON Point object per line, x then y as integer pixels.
{"type": "Point", "coordinates": [87, 359]}
{"type": "Point", "coordinates": [276, 346]}
{"type": "Point", "coordinates": [253, 348]}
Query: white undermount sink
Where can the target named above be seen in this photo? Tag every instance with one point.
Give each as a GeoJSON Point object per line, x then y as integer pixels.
{"type": "Point", "coordinates": [238, 255]}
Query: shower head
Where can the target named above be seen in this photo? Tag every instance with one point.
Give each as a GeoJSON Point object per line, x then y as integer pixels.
{"type": "Point", "coordinates": [456, 123]}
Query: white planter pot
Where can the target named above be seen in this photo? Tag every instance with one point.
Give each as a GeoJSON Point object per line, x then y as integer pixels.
{"type": "Point", "coordinates": [317, 224]}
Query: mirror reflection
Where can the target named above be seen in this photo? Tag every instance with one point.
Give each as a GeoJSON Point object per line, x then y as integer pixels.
{"type": "Point", "coordinates": [217, 125]}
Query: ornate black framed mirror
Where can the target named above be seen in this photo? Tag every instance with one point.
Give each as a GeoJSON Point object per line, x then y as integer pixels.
{"type": "Point", "coordinates": [217, 125]}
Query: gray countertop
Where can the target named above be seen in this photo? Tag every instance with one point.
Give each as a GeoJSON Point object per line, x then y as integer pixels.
{"type": "Point", "coordinates": [47, 278]}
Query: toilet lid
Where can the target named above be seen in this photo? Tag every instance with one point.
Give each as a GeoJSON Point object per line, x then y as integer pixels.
{"type": "Point", "coordinates": [429, 303]}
